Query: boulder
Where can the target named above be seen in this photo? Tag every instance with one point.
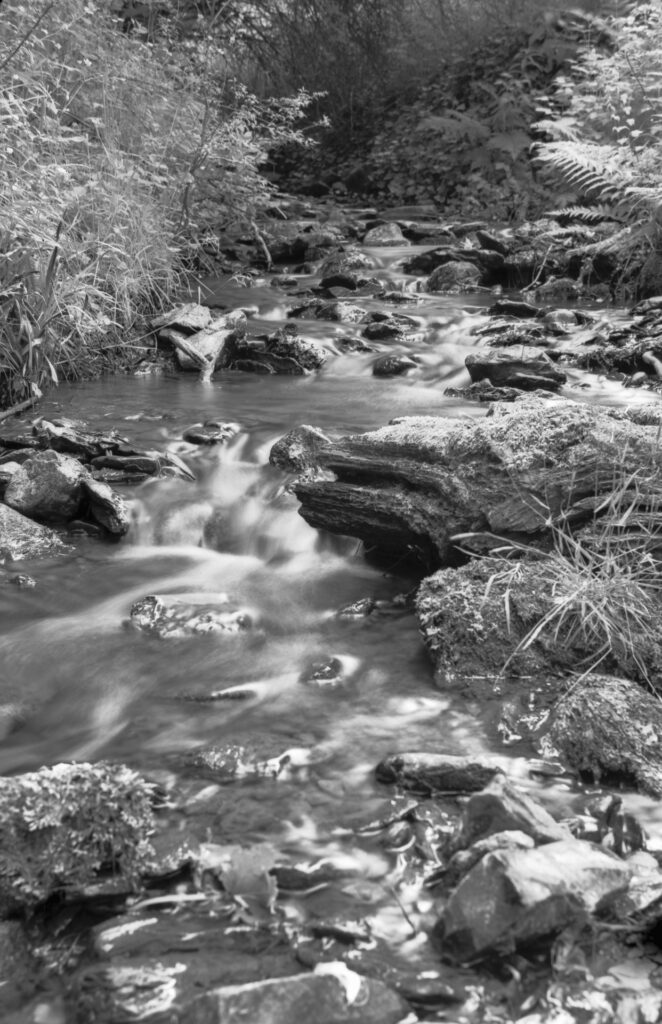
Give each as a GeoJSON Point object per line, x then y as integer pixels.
{"type": "Point", "coordinates": [106, 507]}
{"type": "Point", "coordinates": [385, 234]}
{"type": "Point", "coordinates": [298, 450]}
{"type": "Point", "coordinates": [345, 261]}
{"type": "Point", "coordinates": [393, 366]}
{"type": "Point", "coordinates": [62, 825]}
{"type": "Point", "coordinates": [504, 370]}
{"type": "Point", "coordinates": [188, 318]}
{"type": "Point", "coordinates": [211, 432]}
{"type": "Point", "coordinates": [47, 486]}
{"type": "Point", "coordinates": [513, 897]}
{"type": "Point", "coordinates": [502, 807]}
{"type": "Point", "coordinates": [21, 538]}
{"type": "Point", "coordinates": [454, 277]}
{"type": "Point", "coordinates": [611, 730]}
{"type": "Point", "coordinates": [173, 616]}
{"type": "Point", "coordinates": [464, 860]}
{"type": "Point", "coordinates": [436, 772]}
{"type": "Point", "coordinates": [282, 352]}
{"type": "Point", "coordinates": [416, 483]}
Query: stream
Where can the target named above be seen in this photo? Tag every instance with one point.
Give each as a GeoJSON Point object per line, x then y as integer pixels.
{"type": "Point", "coordinates": [99, 689]}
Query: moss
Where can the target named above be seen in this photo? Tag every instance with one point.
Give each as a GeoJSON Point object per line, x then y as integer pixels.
{"type": "Point", "coordinates": [62, 825]}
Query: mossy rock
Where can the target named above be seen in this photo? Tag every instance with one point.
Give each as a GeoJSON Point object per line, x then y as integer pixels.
{"type": "Point", "coordinates": [63, 825]}
{"type": "Point", "coordinates": [610, 729]}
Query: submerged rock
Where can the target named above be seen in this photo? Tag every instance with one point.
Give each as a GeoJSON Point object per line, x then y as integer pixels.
{"type": "Point", "coordinates": [181, 615]}
{"type": "Point", "coordinates": [518, 896]}
{"type": "Point", "coordinates": [610, 729]}
{"type": "Point", "coordinates": [21, 538]}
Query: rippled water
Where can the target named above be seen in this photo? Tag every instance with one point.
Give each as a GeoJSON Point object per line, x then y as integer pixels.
{"type": "Point", "coordinates": [98, 689]}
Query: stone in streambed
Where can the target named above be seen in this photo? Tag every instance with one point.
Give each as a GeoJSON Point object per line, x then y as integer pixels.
{"type": "Point", "coordinates": [453, 277]}
{"type": "Point", "coordinates": [393, 366]}
{"type": "Point", "coordinates": [502, 807]}
{"type": "Point", "coordinates": [22, 538]}
{"type": "Point", "coordinates": [211, 432]}
{"type": "Point", "coordinates": [514, 897]}
{"type": "Point", "coordinates": [464, 860]}
{"type": "Point", "coordinates": [346, 261]}
{"type": "Point", "coordinates": [173, 616]}
{"type": "Point", "coordinates": [47, 486]}
{"type": "Point", "coordinates": [282, 352]}
{"type": "Point", "coordinates": [436, 772]}
{"type": "Point", "coordinates": [298, 450]}
{"type": "Point", "coordinates": [386, 234]}
{"type": "Point", "coordinates": [248, 759]}
{"type": "Point", "coordinates": [343, 312]}
{"type": "Point", "coordinates": [503, 370]}
{"type": "Point", "coordinates": [106, 507]}
{"type": "Point", "coordinates": [188, 318]}
{"type": "Point", "coordinates": [610, 729]}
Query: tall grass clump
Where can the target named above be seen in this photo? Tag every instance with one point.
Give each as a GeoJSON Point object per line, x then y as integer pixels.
{"type": "Point", "coordinates": [602, 585]}
{"type": "Point", "coordinates": [119, 144]}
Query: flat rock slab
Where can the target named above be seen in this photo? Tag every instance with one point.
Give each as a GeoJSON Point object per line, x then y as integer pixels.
{"type": "Point", "coordinates": [21, 538]}
{"type": "Point", "coordinates": [610, 729]}
{"type": "Point", "coordinates": [412, 485]}
{"type": "Point", "coordinates": [512, 897]}
{"type": "Point", "coordinates": [436, 772]}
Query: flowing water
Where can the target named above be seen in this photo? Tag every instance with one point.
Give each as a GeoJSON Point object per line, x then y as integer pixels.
{"type": "Point", "coordinates": [97, 689]}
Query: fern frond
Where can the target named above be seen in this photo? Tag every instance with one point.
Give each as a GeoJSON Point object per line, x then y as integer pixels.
{"type": "Point", "coordinates": [587, 214]}
{"type": "Point", "coordinates": [589, 174]}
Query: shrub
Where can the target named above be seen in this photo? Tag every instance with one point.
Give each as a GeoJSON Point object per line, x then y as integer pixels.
{"type": "Point", "coordinates": [62, 825]}
{"type": "Point", "coordinates": [116, 149]}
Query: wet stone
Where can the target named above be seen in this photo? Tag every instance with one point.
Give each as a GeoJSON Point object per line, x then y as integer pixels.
{"type": "Point", "coordinates": [174, 616]}
{"type": "Point", "coordinates": [386, 234]}
{"type": "Point", "coordinates": [346, 261]}
{"type": "Point", "coordinates": [251, 760]}
{"type": "Point", "coordinates": [106, 507]}
{"type": "Point", "coordinates": [47, 486]}
{"type": "Point", "coordinates": [454, 276]}
{"type": "Point", "coordinates": [502, 370]}
{"type": "Point", "coordinates": [429, 772]}
{"type": "Point", "coordinates": [21, 538]}
{"type": "Point", "coordinates": [211, 432]}
{"type": "Point", "coordinates": [393, 366]}
{"type": "Point", "coordinates": [326, 673]}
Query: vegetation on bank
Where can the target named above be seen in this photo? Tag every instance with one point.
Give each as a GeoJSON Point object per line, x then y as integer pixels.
{"type": "Point", "coordinates": [132, 137]}
{"type": "Point", "coordinates": [123, 145]}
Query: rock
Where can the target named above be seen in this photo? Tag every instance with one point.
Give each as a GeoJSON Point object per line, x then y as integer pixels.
{"type": "Point", "coordinates": [188, 318]}
{"type": "Point", "coordinates": [393, 366]}
{"type": "Point", "coordinates": [436, 772]}
{"type": "Point", "coordinates": [502, 370]}
{"type": "Point", "coordinates": [385, 235]}
{"type": "Point", "coordinates": [464, 860]}
{"type": "Point", "coordinates": [211, 432]}
{"type": "Point", "coordinates": [21, 538]}
{"type": "Point", "coordinates": [210, 342]}
{"type": "Point", "coordinates": [345, 261]}
{"type": "Point", "coordinates": [248, 759]}
{"type": "Point", "coordinates": [62, 825]}
{"type": "Point", "coordinates": [47, 486]}
{"type": "Point", "coordinates": [456, 276]}
{"type": "Point", "coordinates": [557, 289]}
{"type": "Point", "coordinates": [511, 307]}
{"type": "Point", "coordinates": [324, 673]}
{"type": "Point", "coordinates": [412, 485]}
{"type": "Point", "coordinates": [71, 438]}
{"type": "Point", "coordinates": [487, 240]}
{"type": "Point", "coordinates": [174, 616]}
{"type": "Point", "coordinates": [298, 450]}
{"type": "Point", "coordinates": [106, 507]}
{"type": "Point", "coordinates": [513, 897]}
{"type": "Point", "coordinates": [501, 807]}
{"type": "Point", "coordinates": [331, 995]}
{"type": "Point", "coordinates": [129, 465]}
{"type": "Point", "coordinates": [484, 391]}
{"type": "Point", "coordinates": [282, 352]}
{"type": "Point", "coordinates": [341, 312]}
{"type": "Point", "coordinates": [610, 729]}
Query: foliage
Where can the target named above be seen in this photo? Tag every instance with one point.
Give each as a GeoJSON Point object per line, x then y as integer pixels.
{"type": "Point", "coordinates": [117, 149]}
{"type": "Point", "coordinates": [603, 585]}
{"type": "Point", "coordinates": [603, 133]}
{"type": "Point", "coordinates": [62, 825]}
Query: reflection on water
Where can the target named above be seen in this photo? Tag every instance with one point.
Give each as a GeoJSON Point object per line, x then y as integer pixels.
{"type": "Point", "coordinates": [76, 682]}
